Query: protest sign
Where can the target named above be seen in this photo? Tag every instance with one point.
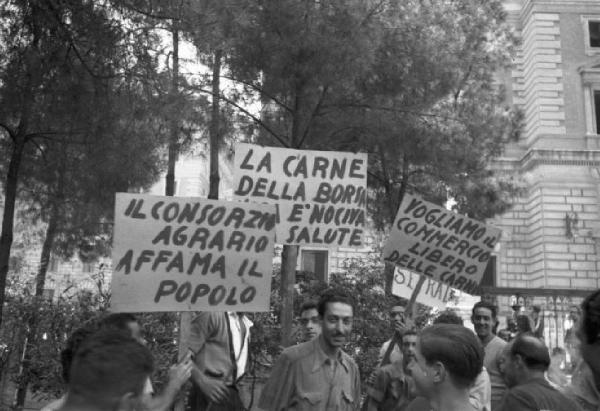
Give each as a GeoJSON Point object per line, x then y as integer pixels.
{"type": "Point", "coordinates": [440, 244]}
{"type": "Point", "coordinates": [321, 195]}
{"type": "Point", "coordinates": [190, 254]}
{"type": "Point", "coordinates": [433, 293]}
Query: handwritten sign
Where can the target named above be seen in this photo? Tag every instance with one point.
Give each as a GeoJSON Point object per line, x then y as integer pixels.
{"type": "Point", "coordinates": [190, 254]}
{"type": "Point", "coordinates": [321, 195]}
{"type": "Point", "coordinates": [440, 244]}
{"type": "Point", "coordinates": [433, 293]}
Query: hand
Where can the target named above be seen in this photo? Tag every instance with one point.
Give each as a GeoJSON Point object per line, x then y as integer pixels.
{"type": "Point", "coordinates": [214, 389]}
{"type": "Point", "coordinates": [181, 372]}
{"type": "Point", "coordinates": [371, 379]}
{"type": "Point", "coordinates": [402, 326]}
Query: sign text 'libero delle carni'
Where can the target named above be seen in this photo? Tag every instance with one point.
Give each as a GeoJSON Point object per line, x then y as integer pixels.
{"type": "Point", "coordinates": [440, 244]}
{"type": "Point", "coordinates": [321, 195]}
{"type": "Point", "coordinates": [190, 254]}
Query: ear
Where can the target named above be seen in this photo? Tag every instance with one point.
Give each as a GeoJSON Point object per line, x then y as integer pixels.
{"type": "Point", "coordinates": [472, 320]}
{"type": "Point", "coordinates": [438, 372]}
{"type": "Point", "coordinates": [519, 361]}
{"type": "Point", "coordinates": [128, 402]}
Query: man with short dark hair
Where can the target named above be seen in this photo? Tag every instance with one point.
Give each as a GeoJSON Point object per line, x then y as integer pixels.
{"type": "Point", "coordinates": [526, 359]}
{"type": "Point", "coordinates": [390, 350]}
{"type": "Point", "coordinates": [585, 387]}
{"type": "Point", "coordinates": [448, 360]}
{"type": "Point", "coordinates": [480, 394]}
{"type": "Point", "coordinates": [392, 388]}
{"type": "Point", "coordinates": [310, 323]}
{"type": "Point", "coordinates": [317, 374]}
{"type": "Point", "coordinates": [108, 373]}
{"type": "Point", "coordinates": [484, 319]}
{"type": "Point", "coordinates": [178, 373]}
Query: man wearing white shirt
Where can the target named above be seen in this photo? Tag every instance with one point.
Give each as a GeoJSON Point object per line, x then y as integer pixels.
{"type": "Point", "coordinates": [219, 343]}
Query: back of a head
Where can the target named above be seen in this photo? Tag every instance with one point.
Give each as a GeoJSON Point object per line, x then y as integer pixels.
{"type": "Point", "coordinates": [118, 321]}
{"type": "Point", "coordinates": [591, 318]}
{"type": "Point", "coordinates": [457, 348]}
{"type": "Point", "coordinates": [523, 323]}
{"type": "Point", "coordinates": [72, 345]}
{"type": "Point", "coordinates": [107, 366]}
{"type": "Point", "coordinates": [532, 350]}
{"type": "Point", "coordinates": [448, 317]}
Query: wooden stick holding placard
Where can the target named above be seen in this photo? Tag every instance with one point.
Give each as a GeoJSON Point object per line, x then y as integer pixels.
{"type": "Point", "coordinates": [410, 311]}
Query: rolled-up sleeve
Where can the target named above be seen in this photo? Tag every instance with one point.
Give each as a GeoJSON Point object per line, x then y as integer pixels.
{"type": "Point", "coordinates": [278, 389]}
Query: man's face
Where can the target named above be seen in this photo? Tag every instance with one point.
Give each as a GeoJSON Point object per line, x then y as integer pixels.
{"type": "Point", "coordinates": [409, 346]}
{"type": "Point", "coordinates": [337, 324]}
{"type": "Point", "coordinates": [310, 323]}
{"type": "Point", "coordinates": [136, 332]}
{"type": "Point", "coordinates": [483, 322]}
{"type": "Point", "coordinates": [397, 316]}
{"type": "Point", "coordinates": [421, 374]}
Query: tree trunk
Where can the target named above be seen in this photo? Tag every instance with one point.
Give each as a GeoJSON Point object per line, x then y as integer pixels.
{"type": "Point", "coordinates": [174, 140]}
{"type": "Point", "coordinates": [289, 254]}
{"type": "Point", "coordinates": [289, 259]}
{"type": "Point", "coordinates": [215, 138]}
{"type": "Point", "coordinates": [10, 196]}
{"type": "Point", "coordinates": [388, 273]}
{"type": "Point", "coordinates": [40, 281]}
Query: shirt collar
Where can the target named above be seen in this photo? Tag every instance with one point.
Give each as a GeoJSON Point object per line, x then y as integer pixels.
{"type": "Point", "coordinates": [321, 357]}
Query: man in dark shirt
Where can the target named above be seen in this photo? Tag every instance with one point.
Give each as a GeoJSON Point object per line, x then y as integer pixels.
{"type": "Point", "coordinates": [525, 361]}
{"type": "Point", "coordinates": [392, 389]}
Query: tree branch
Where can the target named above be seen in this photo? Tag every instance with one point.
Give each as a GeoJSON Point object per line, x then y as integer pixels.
{"type": "Point", "coordinates": [261, 91]}
{"type": "Point", "coordinates": [243, 110]}
{"type": "Point", "coordinates": [397, 110]}
{"type": "Point", "coordinates": [10, 132]}
{"type": "Point", "coordinates": [313, 114]}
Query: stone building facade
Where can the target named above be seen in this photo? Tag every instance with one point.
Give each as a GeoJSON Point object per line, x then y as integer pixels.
{"type": "Point", "coordinates": [552, 233]}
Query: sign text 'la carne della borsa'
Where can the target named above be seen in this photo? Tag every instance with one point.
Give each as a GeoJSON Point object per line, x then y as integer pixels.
{"type": "Point", "coordinates": [321, 196]}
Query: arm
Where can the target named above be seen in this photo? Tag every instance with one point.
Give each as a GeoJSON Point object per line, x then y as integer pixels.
{"type": "Point", "coordinates": [480, 394]}
{"type": "Point", "coordinates": [279, 388]}
{"type": "Point", "coordinates": [376, 392]}
{"type": "Point", "coordinates": [201, 328]}
{"type": "Point", "coordinates": [178, 375]}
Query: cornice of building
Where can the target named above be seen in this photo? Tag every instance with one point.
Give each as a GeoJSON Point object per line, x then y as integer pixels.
{"type": "Point", "coordinates": [558, 6]}
{"type": "Point", "coordinates": [536, 157]}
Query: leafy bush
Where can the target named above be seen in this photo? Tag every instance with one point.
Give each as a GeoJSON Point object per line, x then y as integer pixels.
{"type": "Point", "coordinates": [362, 279]}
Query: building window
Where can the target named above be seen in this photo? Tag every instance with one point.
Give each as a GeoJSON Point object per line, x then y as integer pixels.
{"type": "Point", "coordinates": [594, 33]}
{"type": "Point", "coordinates": [590, 79]}
{"type": "Point", "coordinates": [88, 267]}
{"type": "Point", "coordinates": [314, 261]}
{"type": "Point", "coordinates": [597, 110]}
{"type": "Point", "coordinates": [591, 29]}
{"type": "Point", "coordinates": [489, 278]}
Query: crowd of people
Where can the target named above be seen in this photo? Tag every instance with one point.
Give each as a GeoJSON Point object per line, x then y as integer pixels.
{"type": "Point", "coordinates": [442, 367]}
